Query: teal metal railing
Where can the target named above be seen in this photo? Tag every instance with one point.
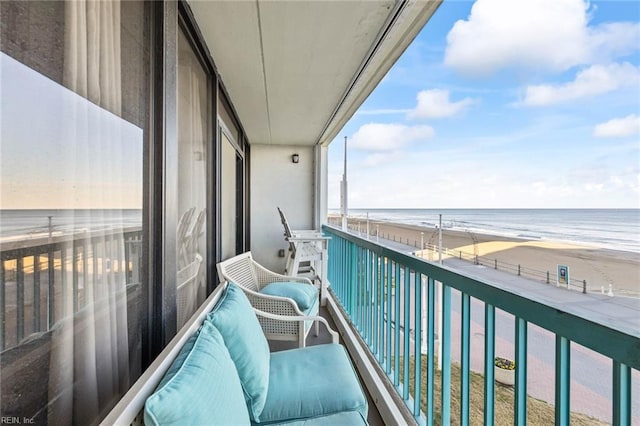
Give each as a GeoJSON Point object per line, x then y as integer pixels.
{"type": "Point", "coordinates": [381, 291]}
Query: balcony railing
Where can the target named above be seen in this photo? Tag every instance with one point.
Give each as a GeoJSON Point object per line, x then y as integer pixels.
{"type": "Point", "coordinates": [35, 273]}
{"type": "Point", "coordinates": [393, 300]}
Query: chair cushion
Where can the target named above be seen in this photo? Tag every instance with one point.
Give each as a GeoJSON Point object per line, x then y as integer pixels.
{"type": "Point", "coordinates": [201, 386]}
{"type": "Point", "coordinates": [234, 317]}
{"type": "Point", "coordinates": [303, 294]}
{"type": "Point", "coordinates": [298, 389]}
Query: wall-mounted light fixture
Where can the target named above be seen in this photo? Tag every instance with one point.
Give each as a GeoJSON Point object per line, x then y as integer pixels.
{"type": "Point", "coordinates": [295, 158]}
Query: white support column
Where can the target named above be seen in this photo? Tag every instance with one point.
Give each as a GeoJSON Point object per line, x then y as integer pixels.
{"type": "Point", "coordinates": [320, 212]}
{"type": "Point", "coordinates": [321, 185]}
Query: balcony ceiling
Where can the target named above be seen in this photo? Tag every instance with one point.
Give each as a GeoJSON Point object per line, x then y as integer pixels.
{"type": "Point", "coordinates": [296, 71]}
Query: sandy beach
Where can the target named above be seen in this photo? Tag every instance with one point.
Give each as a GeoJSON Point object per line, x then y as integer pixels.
{"type": "Point", "coordinates": [599, 267]}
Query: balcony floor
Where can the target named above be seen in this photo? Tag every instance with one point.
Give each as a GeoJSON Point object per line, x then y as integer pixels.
{"type": "Point", "coordinates": [374, 418]}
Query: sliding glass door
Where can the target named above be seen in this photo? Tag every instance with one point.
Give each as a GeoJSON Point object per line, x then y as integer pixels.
{"type": "Point", "coordinates": [194, 139]}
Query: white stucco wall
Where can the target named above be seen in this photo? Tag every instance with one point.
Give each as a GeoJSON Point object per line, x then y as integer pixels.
{"type": "Point", "coordinates": [277, 182]}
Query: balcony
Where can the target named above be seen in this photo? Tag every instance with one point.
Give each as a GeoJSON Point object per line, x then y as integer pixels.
{"type": "Point", "coordinates": [376, 292]}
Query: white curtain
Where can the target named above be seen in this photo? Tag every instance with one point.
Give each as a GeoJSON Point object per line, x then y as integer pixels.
{"type": "Point", "coordinates": [92, 51]}
{"type": "Point", "coordinates": [191, 134]}
{"type": "Point", "coordinates": [89, 366]}
{"type": "Point", "coordinates": [192, 128]}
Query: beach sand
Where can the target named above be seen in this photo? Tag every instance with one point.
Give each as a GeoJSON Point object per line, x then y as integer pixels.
{"type": "Point", "coordinates": [599, 267]}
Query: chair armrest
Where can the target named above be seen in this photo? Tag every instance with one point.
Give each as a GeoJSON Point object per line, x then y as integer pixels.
{"type": "Point", "coordinates": [265, 276]}
{"type": "Point", "coordinates": [335, 337]}
{"type": "Point", "coordinates": [306, 232]}
{"type": "Point", "coordinates": [302, 238]}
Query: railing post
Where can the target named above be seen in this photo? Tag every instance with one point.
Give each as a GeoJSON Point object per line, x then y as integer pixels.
{"type": "Point", "coordinates": [563, 379]}
{"type": "Point", "coordinates": [36, 293]}
{"type": "Point", "coordinates": [521, 372]}
{"type": "Point", "coordinates": [417, 344]}
{"type": "Point", "coordinates": [584, 286]}
{"type": "Point", "coordinates": [396, 324]}
{"type": "Point", "coordinates": [51, 317]}
{"type": "Point", "coordinates": [495, 264]}
{"type": "Point", "coordinates": [518, 270]}
{"type": "Point", "coordinates": [489, 363]}
{"type": "Point", "coordinates": [406, 351]}
{"type": "Point", "coordinates": [20, 298]}
{"type": "Point", "coordinates": [74, 276]}
{"type": "Point", "coordinates": [465, 358]}
{"type": "Point", "coordinates": [547, 277]}
{"type": "Point", "coordinates": [390, 295]}
{"type": "Point", "coordinates": [445, 343]}
{"type": "Point", "coordinates": [621, 394]}
{"type": "Point", "coordinates": [431, 319]}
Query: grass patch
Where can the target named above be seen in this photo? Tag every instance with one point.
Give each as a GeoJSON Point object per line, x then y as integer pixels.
{"type": "Point", "coordinates": [538, 412]}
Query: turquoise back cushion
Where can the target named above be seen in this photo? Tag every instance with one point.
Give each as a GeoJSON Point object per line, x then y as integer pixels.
{"type": "Point", "coordinates": [303, 294]}
{"type": "Point", "coordinates": [248, 347]}
{"type": "Point", "coordinates": [201, 386]}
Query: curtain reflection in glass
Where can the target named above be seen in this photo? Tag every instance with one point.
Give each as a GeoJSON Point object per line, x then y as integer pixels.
{"type": "Point", "coordinates": [193, 132]}
{"type": "Point", "coordinates": [75, 172]}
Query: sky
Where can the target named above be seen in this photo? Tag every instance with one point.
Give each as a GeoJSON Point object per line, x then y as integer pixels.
{"type": "Point", "coordinates": [59, 150]}
{"type": "Point", "coordinates": [503, 104]}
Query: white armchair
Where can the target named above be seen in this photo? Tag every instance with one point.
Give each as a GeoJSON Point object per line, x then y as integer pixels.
{"type": "Point", "coordinates": [254, 278]}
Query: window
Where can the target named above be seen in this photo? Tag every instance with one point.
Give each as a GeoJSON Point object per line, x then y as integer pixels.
{"type": "Point", "coordinates": [75, 121]}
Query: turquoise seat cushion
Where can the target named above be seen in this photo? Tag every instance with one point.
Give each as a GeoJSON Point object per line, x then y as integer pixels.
{"type": "Point", "coordinates": [234, 317]}
{"type": "Point", "coordinates": [351, 418]}
{"type": "Point", "coordinates": [303, 294]}
{"type": "Point", "coordinates": [201, 386]}
{"type": "Point", "coordinates": [299, 390]}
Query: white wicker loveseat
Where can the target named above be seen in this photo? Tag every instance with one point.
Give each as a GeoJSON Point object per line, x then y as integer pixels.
{"type": "Point", "coordinates": [218, 371]}
{"type": "Point", "coordinates": [275, 294]}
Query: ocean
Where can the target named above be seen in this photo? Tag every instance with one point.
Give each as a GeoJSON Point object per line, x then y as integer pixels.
{"type": "Point", "coordinates": [27, 224]}
{"type": "Point", "coordinates": [617, 229]}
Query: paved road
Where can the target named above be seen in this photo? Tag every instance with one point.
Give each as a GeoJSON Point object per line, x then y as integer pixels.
{"type": "Point", "coordinates": [591, 373]}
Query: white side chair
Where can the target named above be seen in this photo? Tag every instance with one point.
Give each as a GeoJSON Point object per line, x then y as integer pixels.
{"type": "Point", "coordinates": [307, 253]}
{"type": "Point", "coordinates": [254, 278]}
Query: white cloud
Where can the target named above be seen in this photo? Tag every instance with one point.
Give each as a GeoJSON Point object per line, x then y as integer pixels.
{"type": "Point", "coordinates": [595, 80]}
{"type": "Point", "coordinates": [618, 127]}
{"type": "Point", "coordinates": [388, 137]}
{"type": "Point", "coordinates": [546, 35]}
{"type": "Point", "coordinates": [379, 158]}
{"type": "Point", "coordinates": [436, 104]}
{"type": "Point", "coordinates": [483, 181]}
{"type": "Point", "coordinates": [615, 39]}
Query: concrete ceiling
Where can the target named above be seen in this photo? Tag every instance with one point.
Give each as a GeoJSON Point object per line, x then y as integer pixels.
{"type": "Point", "coordinates": [297, 70]}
